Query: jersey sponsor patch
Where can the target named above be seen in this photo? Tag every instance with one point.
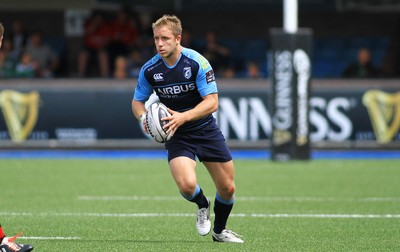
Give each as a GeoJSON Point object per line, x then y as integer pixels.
{"type": "Point", "coordinates": [210, 77]}
{"type": "Point", "coordinates": [203, 62]}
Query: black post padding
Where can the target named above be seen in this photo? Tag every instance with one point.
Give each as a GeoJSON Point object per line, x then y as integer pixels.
{"type": "Point", "coordinates": [290, 66]}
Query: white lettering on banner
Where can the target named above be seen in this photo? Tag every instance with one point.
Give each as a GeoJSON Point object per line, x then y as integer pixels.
{"type": "Point", "coordinates": [337, 117]}
{"type": "Point", "coordinates": [282, 119]}
{"type": "Point", "coordinates": [229, 116]}
{"type": "Point", "coordinates": [248, 115]}
{"type": "Point", "coordinates": [76, 133]}
{"type": "Point", "coordinates": [36, 134]}
{"type": "Point", "coordinates": [245, 121]}
{"type": "Point", "coordinates": [258, 116]}
{"type": "Point", "coordinates": [302, 65]}
{"type": "Point", "coordinates": [317, 107]}
{"type": "Point", "coordinates": [335, 113]}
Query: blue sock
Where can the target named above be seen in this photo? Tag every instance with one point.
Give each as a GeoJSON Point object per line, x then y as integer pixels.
{"type": "Point", "coordinates": [197, 197]}
{"type": "Point", "coordinates": [222, 209]}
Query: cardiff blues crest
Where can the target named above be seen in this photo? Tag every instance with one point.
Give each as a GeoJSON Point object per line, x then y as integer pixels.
{"type": "Point", "coordinates": [187, 72]}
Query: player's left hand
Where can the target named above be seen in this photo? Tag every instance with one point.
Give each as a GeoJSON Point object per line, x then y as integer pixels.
{"type": "Point", "coordinates": [176, 120]}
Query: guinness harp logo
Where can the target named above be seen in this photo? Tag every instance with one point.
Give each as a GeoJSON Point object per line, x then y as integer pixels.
{"type": "Point", "coordinates": [20, 113]}
{"type": "Point", "coordinates": [384, 112]}
{"type": "Point", "coordinates": [281, 136]}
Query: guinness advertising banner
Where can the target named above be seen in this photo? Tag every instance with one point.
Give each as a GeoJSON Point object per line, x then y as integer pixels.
{"type": "Point", "coordinates": [290, 59]}
{"type": "Point", "coordinates": [337, 113]}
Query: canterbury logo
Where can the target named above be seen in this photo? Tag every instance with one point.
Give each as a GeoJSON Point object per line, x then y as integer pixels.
{"type": "Point", "coordinates": [384, 112]}
{"type": "Point", "coordinates": [158, 77]}
{"type": "Point", "coordinates": [20, 113]}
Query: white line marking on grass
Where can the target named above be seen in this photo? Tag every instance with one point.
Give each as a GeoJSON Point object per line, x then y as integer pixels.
{"type": "Point", "coordinates": [129, 198]}
{"type": "Point", "coordinates": [331, 216]}
{"type": "Point", "coordinates": [144, 215]}
{"type": "Point", "coordinates": [242, 198]}
{"type": "Point", "coordinates": [49, 238]}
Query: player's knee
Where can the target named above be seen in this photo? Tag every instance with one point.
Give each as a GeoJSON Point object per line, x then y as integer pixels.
{"type": "Point", "coordinates": [228, 191]}
{"type": "Point", "coordinates": [187, 188]}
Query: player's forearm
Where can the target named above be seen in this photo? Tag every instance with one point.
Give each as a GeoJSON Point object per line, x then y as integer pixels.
{"type": "Point", "coordinates": [138, 108]}
{"type": "Point", "coordinates": [208, 106]}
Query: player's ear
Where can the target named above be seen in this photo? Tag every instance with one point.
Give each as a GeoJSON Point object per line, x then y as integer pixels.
{"type": "Point", "coordinates": [178, 38]}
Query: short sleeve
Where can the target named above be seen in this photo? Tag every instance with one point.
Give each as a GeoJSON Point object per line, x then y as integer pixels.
{"type": "Point", "coordinates": [205, 78]}
{"type": "Point", "coordinates": [143, 88]}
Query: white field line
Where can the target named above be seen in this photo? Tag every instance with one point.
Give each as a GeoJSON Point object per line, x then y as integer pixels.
{"type": "Point", "coordinates": [147, 215]}
{"type": "Point", "coordinates": [243, 198]}
{"type": "Point", "coordinates": [49, 238]}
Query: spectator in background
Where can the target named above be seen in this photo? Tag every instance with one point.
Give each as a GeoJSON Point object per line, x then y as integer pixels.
{"type": "Point", "coordinates": [124, 34]}
{"type": "Point", "coordinates": [2, 53]}
{"type": "Point", "coordinates": [187, 40]}
{"type": "Point", "coordinates": [363, 67]}
{"type": "Point", "coordinates": [4, 69]}
{"type": "Point", "coordinates": [253, 71]}
{"type": "Point", "coordinates": [18, 37]}
{"type": "Point", "coordinates": [228, 72]}
{"type": "Point", "coordinates": [26, 67]}
{"type": "Point", "coordinates": [216, 53]}
{"type": "Point", "coordinates": [46, 59]}
{"type": "Point", "coordinates": [8, 48]}
{"type": "Point", "coordinates": [121, 68]}
{"type": "Point", "coordinates": [95, 42]}
{"type": "Point", "coordinates": [135, 62]}
{"type": "Point", "coordinates": [8, 60]}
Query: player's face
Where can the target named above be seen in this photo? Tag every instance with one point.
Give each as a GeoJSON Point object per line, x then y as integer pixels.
{"type": "Point", "coordinates": [166, 43]}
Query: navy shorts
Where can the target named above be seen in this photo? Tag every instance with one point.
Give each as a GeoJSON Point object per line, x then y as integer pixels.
{"type": "Point", "coordinates": [207, 144]}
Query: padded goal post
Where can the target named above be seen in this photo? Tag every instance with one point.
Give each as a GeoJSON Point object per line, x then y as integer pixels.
{"type": "Point", "coordinates": [290, 75]}
{"type": "Point", "coordinates": [290, 63]}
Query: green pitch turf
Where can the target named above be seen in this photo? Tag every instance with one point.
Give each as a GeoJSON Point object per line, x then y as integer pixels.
{"type": "Point", "coordinates": [133, 205]}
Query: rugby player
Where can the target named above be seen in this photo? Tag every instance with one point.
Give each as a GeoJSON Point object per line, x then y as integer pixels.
{"type": "Point", "coordinates": [184, 81]}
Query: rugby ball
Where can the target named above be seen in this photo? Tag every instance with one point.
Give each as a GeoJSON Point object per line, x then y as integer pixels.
{"type": "Point", "coordinates": [155, 112]}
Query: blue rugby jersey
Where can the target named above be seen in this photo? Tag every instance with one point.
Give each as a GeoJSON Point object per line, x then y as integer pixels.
{"type": "Point", "coordinates": [179, 87]}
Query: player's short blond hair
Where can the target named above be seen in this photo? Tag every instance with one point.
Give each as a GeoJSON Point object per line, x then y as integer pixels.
{"type": "Point", "coordinates": [1, 30]}
{"type": "Point", "coordinates": [171, 21]}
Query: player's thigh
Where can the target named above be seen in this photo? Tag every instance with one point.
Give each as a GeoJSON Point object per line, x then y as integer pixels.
{"type": "Point", "coordinates": [223, 175]}
{"type": "Point", "coordinates": [183, 170]}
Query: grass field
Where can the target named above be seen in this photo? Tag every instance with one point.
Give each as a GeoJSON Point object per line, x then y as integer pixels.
{"type": "Point", "coordinates": [133, 205]}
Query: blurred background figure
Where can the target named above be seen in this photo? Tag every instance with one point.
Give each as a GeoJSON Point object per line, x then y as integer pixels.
{"type": "Point", "coordinates": [95, 41]}
{"type": "Point", "coordinates": [18, 37]}
{"type": "Point", "coordinates": [216, 53]}
{"type": "Point", "coordinates": [228, 72]}
{"type": "Point", "coordinates": [124, 34]}
{"type": "Point", "coordinates": [26, 67]}
{"type": "Point", "coordinates": [363, 67]}
{"type": "Point", "coordinates": [135, 62]}
{"type": "Point", "coordinates": [5, 70]}
{"type": "Point", "coordinates": [253, 70]}
{"type": "Point", "coordinates": [8, 59]}
{"type": "Point", "coordinates": [46, 59]}
{"type": "Point", "coordinates": [187, 40]}
{"type": "Point", "coordinates": [120, 68]}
